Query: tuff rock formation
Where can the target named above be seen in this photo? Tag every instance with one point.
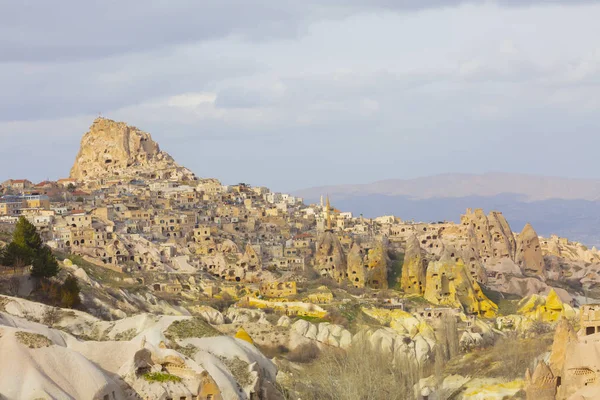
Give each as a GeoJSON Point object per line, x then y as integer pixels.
{"type": "Point", "coordinates": [115, 150]}
{"type": "Point", "coordinates": [414, 269]}
{"type": "Point", "coordinates": [330, 259]}
{"type": "Point", "coordinates": [356, 269]}
{"type": "Point", "coordinates": [368, 267]}
{"type": "Point", "coordinates": [377, 266]}
{"type": "Point", "coordinates": [542, 384]}
{"type": "Point", "coordinates": [563, 335]}
{"type": "Point", "coordinates": [489, 236]}
{"type": "Point", "coordinates": [448, 283]}
{"type": "Point", "coordinates": [529, 253]}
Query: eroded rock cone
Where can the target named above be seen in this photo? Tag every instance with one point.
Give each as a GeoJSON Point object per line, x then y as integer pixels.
{"type": "Point", "coordinates": [115, 150]}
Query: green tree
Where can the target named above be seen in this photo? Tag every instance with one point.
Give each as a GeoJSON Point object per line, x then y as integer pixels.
{"type": "Point", "coordinates": [71, 187]}
{"type": "Point", "coordinates": [27, 247]}
{"type": "Point", "coordinates": [14, 256]}
{"type": "Point", "coordinates": [44, 264]}
{"type": "Point", "coordinates": [27, 238]}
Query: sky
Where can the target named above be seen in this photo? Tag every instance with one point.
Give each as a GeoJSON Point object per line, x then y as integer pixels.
{"type": "Point", "coordinates": [294, 94]}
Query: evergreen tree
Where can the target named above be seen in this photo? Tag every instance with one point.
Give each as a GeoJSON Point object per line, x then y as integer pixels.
{"type": "Point", "coordinates": [26, 236]}
{"type": "Point", "coordinates": [44, 264]}
{"type": "Point", "coordinates": [27, 247]}
{"type": "Point", "coordinates": [15, 256]}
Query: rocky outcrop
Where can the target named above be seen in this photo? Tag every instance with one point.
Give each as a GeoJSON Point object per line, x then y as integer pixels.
{"type": "Point", "coordinates": [563, 335]}
{"type": "Point", "coordinates": [250, 261]}
{"type": "Point", "coordinates": [115, 150]}
{"type": "Point", "coordinates": [356, 268]}
{"type": "Point", "coordinates": [548, 308]}
{"type": "Point", "coordinates": [529, 253]}
{"type": "Point", "coordinates": [416, 350]}
{"type": "Point", "coordinates": [377, 267]}
{"type": "Point", "coordinates": [449, 284]}
{"type": "Point", "coordinates": [368, 267]}
{"type": "Point", "coordinates": [247, 315]}
{"type": "Point", "coordinates": [490, 237]}
{"type": "Point", "coordinates": [330, 259]}
{"type": "Point", "coordinates": [323, 333]}
{"type": "Point", "coordinates": [414, 269]}
{"type": "Point", "coordinates": [542, 384]}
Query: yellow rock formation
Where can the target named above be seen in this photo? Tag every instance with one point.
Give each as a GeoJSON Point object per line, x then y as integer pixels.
{"type": "Point", "coordinates": [414, 269]}
{"type": "Point", "coordinates": [243, 335]}
{"type": "Point", "coordinates": [448, 283]}
{"type": "Point", "coordinates": [546, 309]}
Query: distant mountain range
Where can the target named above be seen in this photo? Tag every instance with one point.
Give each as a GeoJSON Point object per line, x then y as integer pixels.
{"type": "Point", "coordinates": [562, 206]}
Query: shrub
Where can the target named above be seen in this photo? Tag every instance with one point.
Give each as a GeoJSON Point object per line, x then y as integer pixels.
{"type": "Point", "coordinates": [69, 293]}
{"type": "Point", "coordinates": [273, 351]}
{"type": "Point", "coordinates": [539, 328]}
{"type": "Point", "coordinates": [161, 377]}
{"type": "Point", "coordinates": [304, 353]}
{"type": "Point", "coordinates": [51, 316]}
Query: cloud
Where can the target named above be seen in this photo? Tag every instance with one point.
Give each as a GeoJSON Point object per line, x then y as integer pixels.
{"type": "Point", "coordinates": [74, 30]}
{"type": "Point", "coordinates": [291, 94]}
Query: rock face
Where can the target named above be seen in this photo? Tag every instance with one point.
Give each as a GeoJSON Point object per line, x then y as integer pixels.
{"type": "Point", "coordinates": [377, 266]}
{"type": "Point", "coordinates": [324, 333]}
{"type": "Point", "coordinates": [115, 150]}
{"type": "Point", "coordinates": [563, 335]}
{"type": "Point", "coordinates": [368, 266]}
{"type": "Point", "coordinates": [449, 284]}
{"type": "Point", "coordinates": [330, 259]}
{"type": "Point", "coordinates": [415, 267]}
{"type": "Point", "coordinates": [356, 269]}
{"type": "Point", "coordinates": [529, 253]}
{"type": "Point", "coordinates": [489, 236]}
{"type": "Point", "coordinates": [542, 384]}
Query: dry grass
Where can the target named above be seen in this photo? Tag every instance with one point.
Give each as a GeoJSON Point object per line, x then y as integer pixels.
{"type": "Point", "coordinates": [190, 328]}
{"type": "Point", "coordinates": [33, 340]}
{"type": "Point", "coordinates": [3, 302]}
{"type": "Point", "coordinates": [239, 370]}
{"type": "Point", "coordinates": [509, 358]}
{"type": "Point", "coordinates": [361, 373]}
{"type": "Point", "coordinates": [126, 336]}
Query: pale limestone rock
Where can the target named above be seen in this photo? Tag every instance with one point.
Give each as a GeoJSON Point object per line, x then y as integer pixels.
{"type": "Point", "coordinates": [312, 332]}
{"type": "Point", "coordinates": [529, 253]}
{"type": "Point", "coordinates": [284, 321]}
{"type": "Point", "coordinates": [301, 327]}
{"type": "Point", "coordinates": [115, 150]}
{"type": "Point", "coordinates": [210, 315]}
{"type": "Point", "coordinates": [345, 339]}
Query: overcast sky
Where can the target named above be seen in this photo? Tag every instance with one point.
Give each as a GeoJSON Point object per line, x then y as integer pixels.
{"type": "Point", "coordinates": [292, 94]}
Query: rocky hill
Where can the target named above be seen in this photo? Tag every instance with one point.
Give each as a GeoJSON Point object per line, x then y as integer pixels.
{"type": "Point", "coordinates": [113, 150]}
